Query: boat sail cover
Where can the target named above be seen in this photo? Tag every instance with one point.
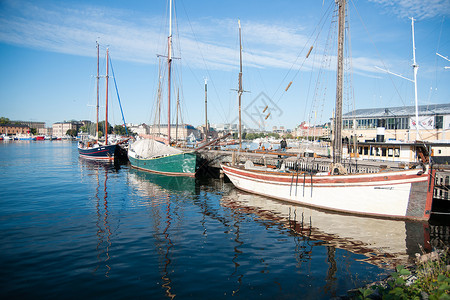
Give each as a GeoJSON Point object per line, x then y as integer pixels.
{"type": "Point", "coordinates": [149, 148]}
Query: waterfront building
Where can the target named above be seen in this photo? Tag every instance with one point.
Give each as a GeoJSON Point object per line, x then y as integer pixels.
{"type": "Point", "coordinates": [398, 123]}
{"type": "Point", "coordinates": [45, 131]}
{"type": "Point", "coordinates": [141, 129]}
{"type": "Point", "coordinates": [31, 124]}
{"type": "Point", "coordinates": [12, 129]}
{"type": "Point", "coordinates": [225, 127]}
{"type": "Point", "coordinates": [212, 133]}
{"type": "Point", "coordinates": [59, 129]}
{"type": "Point", "coordinates": [306, 130]}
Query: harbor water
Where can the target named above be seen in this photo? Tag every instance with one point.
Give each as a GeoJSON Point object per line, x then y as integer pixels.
{"type": "Point", "coordinates": [72, 228]}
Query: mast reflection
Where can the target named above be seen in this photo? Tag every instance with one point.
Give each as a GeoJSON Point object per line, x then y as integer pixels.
{"type": "Point", "coordinates": [103, 232]}
{"type": "Point", "coordinates": [165, 277]}
{"type": "Point", "coordinates": [161, 194]}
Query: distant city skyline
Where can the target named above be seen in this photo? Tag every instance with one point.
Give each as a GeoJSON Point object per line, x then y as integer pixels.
{"type": "Point", "coordinates": [48, 58]}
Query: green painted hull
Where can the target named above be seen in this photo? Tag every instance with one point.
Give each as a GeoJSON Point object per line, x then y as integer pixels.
{"type": "Point", "coordinates": [183, 164]}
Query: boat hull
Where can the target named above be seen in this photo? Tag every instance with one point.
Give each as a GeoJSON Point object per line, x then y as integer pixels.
{"type": "Point", "coordinates": [98, 153]}
{"type": "Point", "coordinates": [399, 194]}
{"type": "Point", "coordinates": [183, 164]}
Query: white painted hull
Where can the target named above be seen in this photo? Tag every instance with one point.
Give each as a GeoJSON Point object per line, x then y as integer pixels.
{"type": "Point", "coordinates": [399, 194]}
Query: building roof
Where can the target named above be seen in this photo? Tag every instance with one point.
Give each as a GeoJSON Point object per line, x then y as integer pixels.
{"type": "Point", "coordinates": [14, 125]}
{"type": "Point", "coordinates": [403, 111]}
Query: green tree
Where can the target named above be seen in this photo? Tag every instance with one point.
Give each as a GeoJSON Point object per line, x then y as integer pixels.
{"type": "Point", "coordinates": [121, 130]}
{"type": "Point", "coordinates": [275, 135]}
{"type": "Point", "coordinates": [84, 129]}
{"type": "Point", "coordinates": [101, 128]}
{"type": "Point", "coordinates": [4, 120]}
{"type": "Point", "coordinates": [72, 132]}
{"type": "Point", "coordinates": [250, 136]}
{"type": "Point", "coordinates": [33, 131]}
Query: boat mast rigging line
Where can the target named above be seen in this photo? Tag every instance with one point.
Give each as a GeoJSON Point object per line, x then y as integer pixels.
{"type": "Point", "coordinates": [118, 97]}
{"type": "Point", "coordinates": [206, 68]}
{"type": "Point", "coordinates": [378, 52]}
{"type": "Point", "coordinates": [317, 29]}
{"type": "Point", "coordinates": [415, 67]}
{"type": "Point", "coordinates": [323, 77]}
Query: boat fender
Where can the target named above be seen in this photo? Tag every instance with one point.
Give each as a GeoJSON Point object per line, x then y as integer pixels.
{"type": "Point", "coordinates": [424, 169]}
{"type": "Point", "coordinates": [248, 164]}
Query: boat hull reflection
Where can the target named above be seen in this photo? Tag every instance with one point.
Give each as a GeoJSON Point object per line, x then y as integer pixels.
{"type": "Point", "coordinates": [154, 184]}
{"type": "Point", "coordinates": [384, 243]}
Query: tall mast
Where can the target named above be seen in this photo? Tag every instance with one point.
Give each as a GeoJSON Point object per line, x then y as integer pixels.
{"type": "Point", "coordinates": [169, 65]}
{"type": "Point", "coordinates": [337, 143]}
{"type": "Point", "coordinates": [178, 105]}
{"type": "Point", "coordinates": [106, 113]}
{"type": "Point", "coordinates": [415, 67]}
{"type": "Point", "coordinates": [98, 79]}
{"type": "Point", "coordinates": [206, 109]}
{"type": "Point", "coordinates": [159, 98]}
{"type": "Point", "coordinates": [240, 91]}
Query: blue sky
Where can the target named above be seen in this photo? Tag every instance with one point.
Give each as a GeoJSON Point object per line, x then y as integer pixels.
{"type": "Point", "coordinates": [48, 57]}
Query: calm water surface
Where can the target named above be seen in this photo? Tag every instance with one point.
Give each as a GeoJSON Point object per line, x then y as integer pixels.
{"type": "Point", "coordinates": [71, 228]}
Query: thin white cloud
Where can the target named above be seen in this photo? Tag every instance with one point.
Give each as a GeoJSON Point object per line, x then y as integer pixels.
{"type": "Point", "coordinates": [207, 43]}
{"type": "Point", "coordinates": [420, 9]}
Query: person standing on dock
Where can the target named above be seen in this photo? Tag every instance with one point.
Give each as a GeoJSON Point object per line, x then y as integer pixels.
{"type": "Point", "coordinates": [283, 145]}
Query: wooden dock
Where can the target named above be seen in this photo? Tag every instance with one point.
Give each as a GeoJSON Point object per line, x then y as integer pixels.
{"type": "Point", "coordinates": [293, 161]}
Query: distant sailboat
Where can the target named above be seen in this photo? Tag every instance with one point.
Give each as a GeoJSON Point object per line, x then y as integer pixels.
{"type": "Point", "coordinates": [155, 156]}
{"type": "Point", "coordinates": [95, 149]}
{"type": "Point", "coordinates": [404, 194]}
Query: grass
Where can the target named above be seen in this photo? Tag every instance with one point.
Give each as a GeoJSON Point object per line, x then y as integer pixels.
{"type": "Point", "coordinates": [428, 279]}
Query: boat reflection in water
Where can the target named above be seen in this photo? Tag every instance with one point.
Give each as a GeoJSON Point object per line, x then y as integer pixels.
{"type": "Point", "coordinates": [152, 184]}
{"type": "Point", "coordinates": [100, 170]}
{"type": "Point", "coordinates": [161, 191]}
{"type": "Point", "coordinates": [384, 243]}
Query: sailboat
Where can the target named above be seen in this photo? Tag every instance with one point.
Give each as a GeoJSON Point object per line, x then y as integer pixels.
{"type": "Point", "coordinates": [402, 194]}
{"type": "Point", "coordinates": [155, 155]}
{"type": "Point", "coordinates": [95, 149]}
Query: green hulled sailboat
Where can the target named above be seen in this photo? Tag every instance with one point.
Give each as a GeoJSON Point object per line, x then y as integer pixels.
{"type": "Point", "coordinates": [158, 156]}
{"type": "Point", "coordinates": [153, 156]}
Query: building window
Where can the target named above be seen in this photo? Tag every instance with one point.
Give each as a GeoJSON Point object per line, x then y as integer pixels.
{"type": "Point", "coordinates": [396, 152]}
{"type": "Point", "coordinates": [347, 124]}
{"type": "Point", "coordinates": [391, 123]}
{"type": "Point", "coordinates": [439, 121]}
{"type": "Point", "coordinates": [390, 152]}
